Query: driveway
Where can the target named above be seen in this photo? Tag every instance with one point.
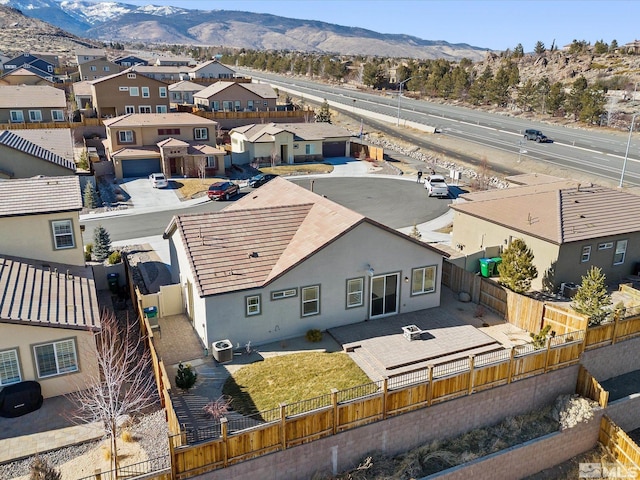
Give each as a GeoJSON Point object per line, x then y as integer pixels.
{"type": "Point", "coordinates": [144, 196]}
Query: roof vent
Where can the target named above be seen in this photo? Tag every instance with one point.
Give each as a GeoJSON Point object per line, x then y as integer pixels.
{"type": "Point", "coordinates": [253, 255]}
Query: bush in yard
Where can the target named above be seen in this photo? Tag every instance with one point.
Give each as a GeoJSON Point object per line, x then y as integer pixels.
{"type": "Point", "coordinates": [314, 335]}
{"type": "Point", "coordinates": [115, 257]}
{"type": "Point", "coordinates": [41, 470]}
{"type": "Point", "coordinates": [101, 243]}
{"type": "Point", "coordinates": [517, 268]}
{"type": "Point", "coordinates": [88, 249]}
{"type": "Point", "coordinates": [186, 377]}
{"type": "Point", "coordinates": [218, 408]}
{"type": "Point", "coordinates": [89, 196]}
{"type": "Point", "coordinates": [591, 298]}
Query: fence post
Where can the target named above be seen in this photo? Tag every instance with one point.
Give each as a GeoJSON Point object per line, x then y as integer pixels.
{"type": "Point", "coordinates": [334, 404]}
{"type": "Point", "coordinates": [546, 358]}
{"type": "Point", "coordinates": [616, 320]}
{"type": "Point", "coordinates": [430, 385]}
{"type": "Point", "coordinates": [385, 391]}
{"type": "Point", "coordinates": [224, 432]}
{"type": "Point", "coordinates": [472, 365]}
{"type": "Point", "coordinates": [172, 460]}
{"type": "Point", "coordinates": [511, 360]}
{"type": "Point", "coordinates": [283, 425]}
{"type": "Point", "coordinates": [98, 474]}
{"type": "Point", "coordinates": [183, 434]}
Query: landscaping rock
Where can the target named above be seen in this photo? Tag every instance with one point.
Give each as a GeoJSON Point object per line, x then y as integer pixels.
{"type": "Point", "coordinates": [464, 297]}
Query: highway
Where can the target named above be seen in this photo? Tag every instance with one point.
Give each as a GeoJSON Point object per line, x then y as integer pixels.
{"type": "Point", "coordinates": [598, 153]}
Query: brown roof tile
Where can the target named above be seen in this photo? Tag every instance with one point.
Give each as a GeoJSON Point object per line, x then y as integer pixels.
{"type": "Point", "coordinates": [26, 196]}
{"type": "Point", "coordinates": [158, 120]}
{"type": "Point", "coordinates": [35, 96]}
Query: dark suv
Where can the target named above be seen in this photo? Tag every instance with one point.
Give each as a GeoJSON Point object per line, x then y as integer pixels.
{"type": "Point", "coordinates": [536, 135]}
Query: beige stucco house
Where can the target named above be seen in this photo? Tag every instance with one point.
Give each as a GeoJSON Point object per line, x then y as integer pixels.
{"type": "Point", "coordinates": [27, 153]}
{"type": "Point", "coordinates": [284, 260]}
{"type": "Point", "coordinates": [32, 104]}
{"type": "Point", "coordinates": [23, 76]}
{"type": "Point", "coordinates": [569, 227]}
{"type": "Point", "coordinates": [97, 68]}
{"type": "Point", "coordinates": [211, 70]}
{"type": "Point", "coordinates": [236, 97]}
{"type": "Point", "coordinates": [177, 144]}
{"type": "Point", "coordinates": [288, 142]}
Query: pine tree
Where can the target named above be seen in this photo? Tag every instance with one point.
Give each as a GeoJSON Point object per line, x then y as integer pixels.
{"type": "Point", "coordinates": [324, 114]}
{"type": "Point", "coordinates": [415, 233]}
{"type": "Point", "coordinates": [89, 196]}
{"type": "Point", "coordinates": [101, 243]}
{"type": "Point", "coordinates": [185, 377]}
{"type": "Point", "coordinates": [517, 269]}
{"type": "Point", "coordinates": [41, 470]}
{"type": "Point", "coordinates": [591, 298]}
{"type": "Point", "coordinates": [539, 48]}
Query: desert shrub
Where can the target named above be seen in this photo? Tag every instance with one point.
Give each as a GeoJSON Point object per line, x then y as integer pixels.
{"type": "Point", "coordinates": [41, 470]}
{"type": "Point", "coordinates": [314, 335]}
{"type": "Point", "coordinates": [126, 436]}
{"type": "Point", "coordinates": [115, 257]}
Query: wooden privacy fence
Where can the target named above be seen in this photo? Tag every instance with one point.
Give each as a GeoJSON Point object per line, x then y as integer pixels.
{"type": "Point", "coordinates": [621, 447]}
{"type": "Point", "coordinates": [86, 122]}
{"type": "Point", "coordinates": [291, 425]}
{"type": "Point", "coordinates": [612, 332]}
{"type": "Point", "coordinates": [588, 387]}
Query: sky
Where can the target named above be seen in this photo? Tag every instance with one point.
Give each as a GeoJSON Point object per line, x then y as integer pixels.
{"type": "Point", "coordinates": [496, 25]}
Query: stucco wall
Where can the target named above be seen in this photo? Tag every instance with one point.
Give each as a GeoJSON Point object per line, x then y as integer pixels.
{"type": "Point", "coordinates": [16, 164]}
{"type": "Point", "coordinates": [108, 99]}
{"type": "Point", "coordinates": [25, 337]}
{"type": "Point", "coordinates": [31, 237]}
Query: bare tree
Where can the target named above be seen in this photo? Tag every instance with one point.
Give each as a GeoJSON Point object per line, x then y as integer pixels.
{"type": "Point", "coordinates": [201, 165]}
{"type": "Point", "coordinates": [124, 385]}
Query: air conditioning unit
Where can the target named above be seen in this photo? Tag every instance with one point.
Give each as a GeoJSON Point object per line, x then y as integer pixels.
{"type": "Point", "coordinates": [222, 351]}
{"type": "Point", "coordinates": [568, 289]}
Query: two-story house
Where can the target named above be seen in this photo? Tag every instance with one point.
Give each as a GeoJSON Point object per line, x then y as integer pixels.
{"type": "Point", "coordinates": [212, 69]}
{"type": "Point", "coordinates": [32, 104]}
{"type": "Point", "coordinates": [97, 68]}
{"type": "Point", "coordinates": [236, 97]}
{"type": "Point", "coordinates": [84, 55]}
{"type": "Point", "coordinates": [177, 144]}
{"type": "Point", "coordinates": [130, 61]}
{"type": "Point", "coordinates": [49, 311]}
{"type": "Point", "coordinates": [128, 92]}
{"type": "Point", "coordinates": [181, 93]}
{"type": "Point", "coordinates": [37, 63]}
{"type": "Point", "coordinates": [25, 76]}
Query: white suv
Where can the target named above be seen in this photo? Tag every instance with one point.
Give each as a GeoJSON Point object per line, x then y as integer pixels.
{"type": "Point", "coordinates": [436, 186]}
{"type": "Point", "coordinates": [158, 180]}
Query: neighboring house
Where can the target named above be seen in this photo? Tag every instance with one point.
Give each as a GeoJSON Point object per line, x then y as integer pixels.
{"type": "Point", "coordinates": [84, 55]}
{"type": "Point", "coordinates": [569, 227]}
{"type": "Point", "coordinates": [34, 63]}
{"type": "Point", "coordinates": [130, 61]}
{"type": "Point", "coordinates": [25, 76]}
{"type": "Point", "coordinates": [211, 70]}
{"type": "Point", "coordinates": [128, 92]}
{"type": "Point", "coordinates": [167, 74]}
{"type": "Point", "coordinates": [181, 93]}
{"type": "Point", "coordinates": [49, 315]}
{"type": "Point", "coordinates": [174, 61]}
{"type": "Point", "coordinates": [37, 151]}
{"type": "Point", "coordinates": [98, 68]}
{"type": "Point", "coordinates": [237, 97]}
{"type": "Point", "coordinates": [32, 104]}
{"type": "Point", "coordinates": [284, 260]}
{"type": "Point", "coordinates": [176, 144]}
{"type": "Point", "coordinates": [83, 94]}
{"type": "Point", "coordinates": [288, 142]}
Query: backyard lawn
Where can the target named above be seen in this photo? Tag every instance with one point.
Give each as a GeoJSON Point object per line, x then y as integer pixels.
{"type": "Point", "coordinates": [290, 378]}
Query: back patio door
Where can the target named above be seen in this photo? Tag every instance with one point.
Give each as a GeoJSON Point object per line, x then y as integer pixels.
{"type": "Point", "coordinates": [384, 295]}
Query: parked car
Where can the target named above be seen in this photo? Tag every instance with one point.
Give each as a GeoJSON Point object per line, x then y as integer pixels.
{"type": "Point", "coordinates": [536, 135]}
{"type": "Point", "coordinates": [223, 190]}
{"type": "Point", "coordinates": [436, 186]}
{"type": "Point", "coordinates": [261, 179]}
{"type": "Point", "coordinates": [158, 180]}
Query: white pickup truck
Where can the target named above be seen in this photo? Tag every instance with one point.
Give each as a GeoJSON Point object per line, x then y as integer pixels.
{"type": "Point", "coordinates": [436, 186]}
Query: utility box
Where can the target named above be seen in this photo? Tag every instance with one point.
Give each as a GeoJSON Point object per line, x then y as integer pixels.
{"type": "Point", "coordinates": [222, 351]}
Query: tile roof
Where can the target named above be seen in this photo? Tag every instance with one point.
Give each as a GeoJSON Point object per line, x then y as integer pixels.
{"type": "Point", "coordinates": [142, 152]}
{"type": "Point", "coordinates": [47, 294]}
{"type": "Point", "coordinates": [560, 214]}
{"type": "Point", "coordinates": [172, 142]}
{"type": "Point", "coordinates": [261, 236]}
{"type": "Point", "coordinates": [12, 139]}
{"type": "Point", "coordinates": [24, 196]}
{"type": "Point", "coordinates": [533, 179]}
{"type": "Point", "coordinates": [258, 132]}
{"type": "Point", "coordinates": [24, 72]}
{"type": "Point", "coordinates": [122, 73]}
{"type": "Point", "coordinates": [186, 86]}
{"type": "Point", "coordinates": [55, 140]}
{"type": "Point", "coordinates": [82, 88]}
{"type": "Point", "coordinates": [204, 149]}
{"type": "Point", "coordinates": [25, 96]}
{"type": "Point", "coordinates": [158, 120]}
{"type": "Point", "coordinates": [262, 90]}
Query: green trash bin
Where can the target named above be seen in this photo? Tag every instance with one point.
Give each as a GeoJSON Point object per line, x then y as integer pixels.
{"type": "Point", "coordinates": [112, 280]}
{"type": "Point", "coordinates": [151, 312]}
{"type": "Point", "coordinates": [486, 267]}
{"type": "Point", "coordinates": [496, 261]}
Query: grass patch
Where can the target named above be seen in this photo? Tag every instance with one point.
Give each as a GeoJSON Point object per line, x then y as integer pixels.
{"type": "Point", "coordinates": [191, 187]}
{"type": "Point", "coordinates": [299, 169]}
{"type": "Point", "coordinates": [290, 378]}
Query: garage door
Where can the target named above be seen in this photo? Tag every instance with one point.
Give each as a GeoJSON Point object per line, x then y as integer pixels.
{"type": "Point", "coordinates": [140, 168]}
{"type": "Point", "coordinates": [334, 149]}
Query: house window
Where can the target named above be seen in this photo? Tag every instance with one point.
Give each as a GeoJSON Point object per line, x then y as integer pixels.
{"type": "Point", "coordinates": [134, 91]}
{"type": "Point", "coordinates": [35, 116]}
{"type": "Point", "coordinates": [227, 106]}
{"type": "Point", "coordinates": [144, 108]}
{"type": "Point", "coordinates": [265, 104]}
{"type": "Point", "coordinates": [49, 69]}
{"type": "Point", "coordinates": [168, 131]}
{"type": "Point", "coordinates": [125, 136]}
{"type": "Point", "coordinates": [9, 367]}
{"type": "Point", "coordinates": [308, 149]}
{"type": "Point", "coordinates": [238, 106]}
{"type": "Point", "coordinates": [355, 290]}
{"type": "Point", "coordinates": [215, 105]}
{"type": "Point", "coordinates": [56, 358]}
{"type": "Point", "coordinates": [131, 75]}
{"type": "Point", "coordinates": [123, 89]}
{"type": "Point", "coordinates": [586, 254]}
{"type": "Point", "coordinates": [211, 161]}
{"type": "Point", "coordinates": [423, 280]}
{"type": "Point", "coordinates": [106, 68]}
{"type": "Point", "coordinates": [93, 68]}
{"type": "Point", "coordinates": [161, 109]}
{"type": "Point", "coordinates": [605, 246]}
{"type": "Point", "coordinates": [253, 305]}
{"type": "Point", "coordinates": [310, 298]}
{"type": "Point", "coordinates": [145, 92]}
{"type": "Point", "coordinates": [280, 294]}
{"type": "Point", "coordinates": [57, 115]}
{"type": "Point", "coordinates": [201, 134]}
{"type": "Point", "coordinates": [17, 116]}
{"type": "Point", "coordinates": [163, 92]}
{"type": "Point", "coordinates": [621, 250]}
{"type": "Point", "coordinates": [129, 109]}
{"type": "Point", "coordinates": [62, 234]}
{"type": "Point", "coordinates": [250, 105]}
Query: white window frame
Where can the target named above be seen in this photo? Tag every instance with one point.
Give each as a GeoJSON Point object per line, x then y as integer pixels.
{"type": "Point", "coordinates": [17, 116]}
{"type": "Point", "coordinates": [237, 105]}
{"type": "Point", "coordinates": [35, 116]}
{"type": "Point", "coordinates": [201, 133]}
{"type": "Point", "coordinates": [210, 161]}
{"type": "Point", "coordinates": [106, 68]}
{"type": "Point", "coordinates": [161, 109]}
{"type": "Point", "coordinates": [131, 75]}
{"type": "Point", "coordinates": [605, 245]}
{"type": "Point", "coordinates": [144, 109]}
{"type": "Point", "coordinates": [355, 292]}
{"type": "Point", "coordinates": [134, 91]}
{"type": "Point", "coordinates": [586, 254]}
{"type": "Point", "coordinates": [129, 109]}
{"type": "Point", "coordinates": [93, 68]}
{"type": "Point", "coordinates": [309, 301]}
{"type": "Point", "coordinates": [123, 89]}
{"type": "Point", "coordinates": [162, 91]}
{"type": "Point", "coordinates": [125, 136]}
{"type": "Point", "coordinates": [145, 92]}
{"type": "Point", "coordinates": [58, 234]}
{"type": "Point", "coordinates": [63, 351]}
{"type": "Point", "coordinates": [9, 357]}
{"type": "Point", "coordinates": [227, 105]}
{"type": "Point", "coordinates": [57, 115]}
{"type": "Point", "coordinates": [288, 293]}
{"type": "Point", "coordinates": [253, 305]}
{"type": "Point", "coordinates": [420, 280]}
{"type": "Point", "coordinates": [621, 251]}
{"type": "Point", "coordinates": [250, 105]}
{"type": "Point", "coordinates": [215, 105]}
{"type": "Point", "coordinates": [308, 149]}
